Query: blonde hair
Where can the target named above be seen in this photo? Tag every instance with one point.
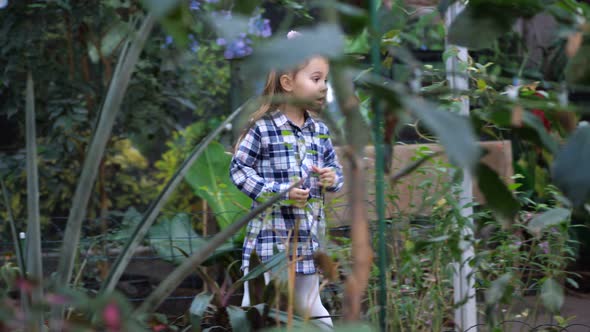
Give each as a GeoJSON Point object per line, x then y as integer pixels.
{"type": "Point", "coordinates": [268, 100]}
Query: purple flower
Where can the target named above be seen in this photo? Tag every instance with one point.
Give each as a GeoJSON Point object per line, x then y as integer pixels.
{"type": "Point", "coordinates": [195, 5]}
{"type": "Point", "coordinates": [544, 246]}
{"type": "Point", "coordinates": [3, 4]}
{"type": "Point", "coordinates": [221, 42]}
{"type": "Point", "coordinates": [259, 26]}
{"type": "Point", "coordinates": [167, 42]}
{"type": "Point", "coordinates": [194, 46]}
{"type": "Point", "coordinates": [238, 48]}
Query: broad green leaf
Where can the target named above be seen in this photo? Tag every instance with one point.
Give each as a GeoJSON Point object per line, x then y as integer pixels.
{"type": "Point", "coordinates": [498, 197]}
{"type": "Point", "coordinates": [498, 289]}
{"type": "Point", "coordinates": [552, 217]}
{"type": "Point", "coordinates": [209, 178]}
{"type": "Point", "coordinates": [358, 44]}
{"type": "Point", "coordinates": [571, 165]}
{"type": "Point", "coordinates": [130, 219]}
{"type": "Point", "coordinates": [454, 131]}
{"type": "Point", "coordinates": [246, 7]}
{"type": "Point", "coordinates": [477, 32]}
{"type": "Point", "coordinates": [238, 319]}
{"type": "Point", "coordinates": [159, 8]}
{"type": "Point", "coordinates": [532, 121]}
{"type": "Point", "coordinates": [178, 232]}
{"type": "Point", "coordinates": [229, 29]}
{"type": "Point", "coordinates": [483, 21]}
{"type": "Point", "coordinates": [282, 53]}
{"type": "Point", "coordinates": [552, 295]}
{"type": "Point", "coordinates": [198, 308]}
{"type": "Point", "coordinates": [177, 24]}
{"type": "Point", "coordinates": [187, 267]}
{"type": "Point", "coordinates": [578, 67]}
{"type": "Point", "coordinates": [354, 18]}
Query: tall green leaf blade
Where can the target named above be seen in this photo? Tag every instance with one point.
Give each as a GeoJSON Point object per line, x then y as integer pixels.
{"type": "Point", "coordinates": [181, 272]}
{"type": "Point", "coordinates": [454, 131]}
{"type": "Point", "coordinates": [276, 263]}
{"type": "Point", "coordinates": [154, 209]}
{"type": "Point", "coordinates": [84, 189]}
{"type": "Point", "coordinates": [34, 260]}
{"type": "Point", "coordinates": [549, 218]}
{"type": "Point", "coordinates": [570, 168]}
{"type": "Point", "coordinates": [552, 295]}
{"type": "Point", "coordinates": [209, 178]}
{"type": "Point", "coordinates": [498, 197]}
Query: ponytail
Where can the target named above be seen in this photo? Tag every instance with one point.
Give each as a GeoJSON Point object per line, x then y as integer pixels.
{"type": "Point", "coordinates": [267, 102]}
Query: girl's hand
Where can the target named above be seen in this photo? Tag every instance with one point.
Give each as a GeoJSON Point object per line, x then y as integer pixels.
{"type": "Point", "coordinates": [327, 176]}
{"type": "Point", "coordinates": [299, 196]}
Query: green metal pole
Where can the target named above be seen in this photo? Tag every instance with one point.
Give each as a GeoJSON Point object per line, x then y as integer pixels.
{"type": "Point", "coordinates": [379, 163]}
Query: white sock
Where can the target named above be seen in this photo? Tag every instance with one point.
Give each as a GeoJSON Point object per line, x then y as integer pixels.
{"type": "Point", "coordinates": [307, 299]}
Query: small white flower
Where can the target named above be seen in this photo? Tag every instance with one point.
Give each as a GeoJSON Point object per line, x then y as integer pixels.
{"type": "Point", "coordinates": [292, 34]}
{"type": "Point", "coordinates": [512, 92]}
{"type": "Point", "coordinates": [228, 126]}
{"type": "Point", "coordinates": [3, 3]}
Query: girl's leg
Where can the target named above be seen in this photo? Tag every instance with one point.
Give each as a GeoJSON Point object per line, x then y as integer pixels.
{"type": "Point", "coordinates": [307, 298]}
{"type": "Point", "coordinates": [246, 297]}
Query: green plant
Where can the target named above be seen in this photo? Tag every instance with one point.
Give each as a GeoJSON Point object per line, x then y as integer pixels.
{"type": "Point", "coordinates": [425, 243]}
{"type": "Point", "coordinates": [528, 257]}
{"type": "Point", "coordinates": [209, 179]}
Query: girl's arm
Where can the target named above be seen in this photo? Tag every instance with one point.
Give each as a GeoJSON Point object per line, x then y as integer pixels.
{"type": "Point", "coordinates": [242, 169]}
{"type": "Point", "coordinates": [331, 160]}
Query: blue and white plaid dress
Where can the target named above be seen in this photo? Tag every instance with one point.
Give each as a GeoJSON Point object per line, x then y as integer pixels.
{"type": "Point", "coordinates": [273, 154]}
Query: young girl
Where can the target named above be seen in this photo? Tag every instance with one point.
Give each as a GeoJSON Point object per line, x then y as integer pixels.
{"type": "Point", "coordinates": [285, 143]}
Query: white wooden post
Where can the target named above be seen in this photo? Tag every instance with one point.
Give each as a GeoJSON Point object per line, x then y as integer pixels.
{"type": "Point", "coordinates": [463, 281]}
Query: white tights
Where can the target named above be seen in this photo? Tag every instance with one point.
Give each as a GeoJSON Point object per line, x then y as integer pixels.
{"type": "Point", "coordinates": [307, 297]}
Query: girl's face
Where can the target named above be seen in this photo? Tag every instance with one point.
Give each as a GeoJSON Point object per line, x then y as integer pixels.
{"type": "Point", "coordinates": [310, 82]}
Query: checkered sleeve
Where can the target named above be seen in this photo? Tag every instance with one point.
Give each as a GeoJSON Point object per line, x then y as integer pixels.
{"type": "Point", "coordinates": [243, 168]}
{"type": "Point", "coordinates": [331, 160]}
